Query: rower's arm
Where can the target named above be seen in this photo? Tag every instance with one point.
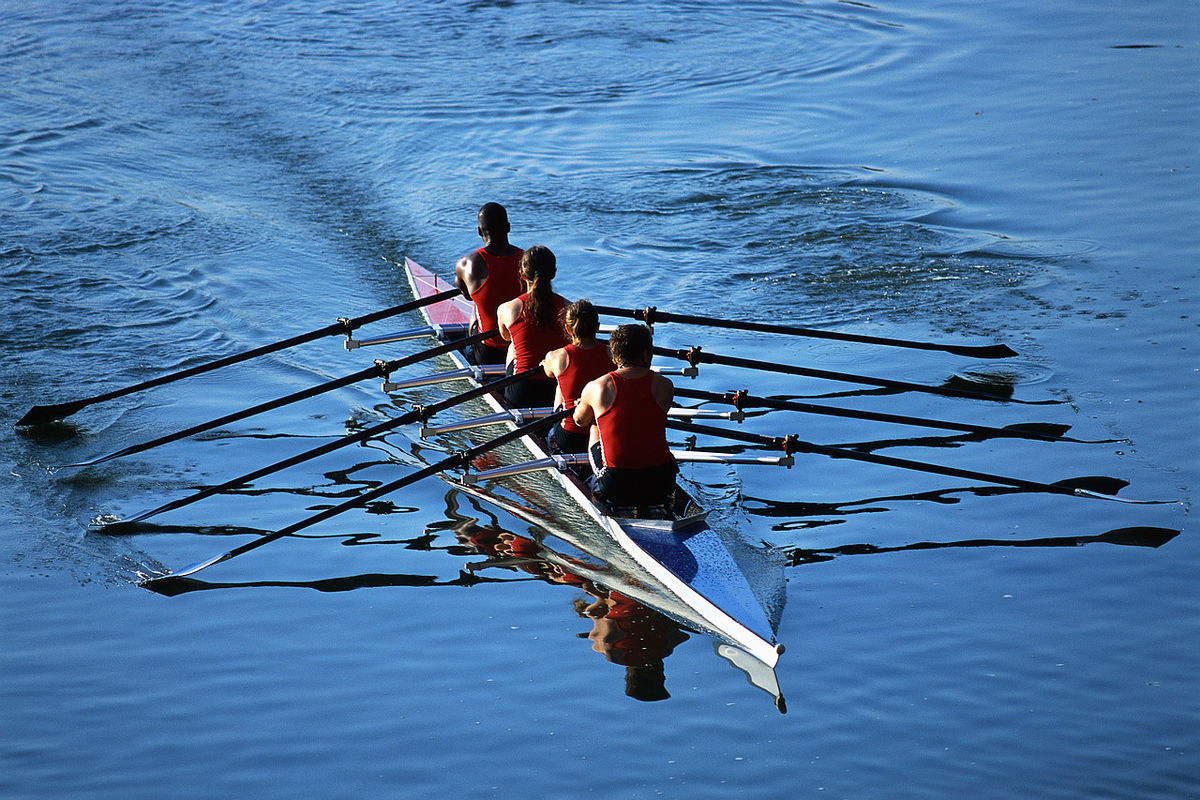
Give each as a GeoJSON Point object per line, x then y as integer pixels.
{"type": "Point", "coordinates": [506, 314]}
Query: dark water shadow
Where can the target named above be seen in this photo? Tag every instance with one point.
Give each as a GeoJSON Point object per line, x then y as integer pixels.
{"type": "Point", "coordinates": [1125, 537]}
{"type": "Point", "coordinates": [883, 503]}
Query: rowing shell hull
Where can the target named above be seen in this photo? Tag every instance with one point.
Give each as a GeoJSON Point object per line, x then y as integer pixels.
{"type": "Point", "coordinates": [698, 581]}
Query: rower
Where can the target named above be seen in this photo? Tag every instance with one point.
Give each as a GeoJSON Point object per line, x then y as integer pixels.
{"type": "Point", "coordinates": [490, 276]}
{"type": "Point", "coordinates": [633, 466]}
{"type": "Point", "coordinates": [531, 323]}
{"type": "Point", "coordinates": [583, 360]}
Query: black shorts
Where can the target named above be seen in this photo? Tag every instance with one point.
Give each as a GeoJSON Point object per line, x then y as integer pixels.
{"type": "Point", "coordinates": [650, 486]}
{"type": "Point", "coordinates": [562, 441]}
{"type": "Point", "coordinates": [530, 392]}
{"type": "Point", "coordinates": [481, 354]}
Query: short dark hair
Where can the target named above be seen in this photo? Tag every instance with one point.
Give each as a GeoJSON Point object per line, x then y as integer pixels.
{"type": "Point", "coordinates": [629, 342]}
{"type": "Point", "coordinates": [493, 218]}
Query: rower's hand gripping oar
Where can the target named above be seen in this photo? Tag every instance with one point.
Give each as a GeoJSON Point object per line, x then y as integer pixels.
{"type": "Point", "coordinates": [40, 415]}
{"type": "Point", "coordinates": [790, 444]}
{"type": "Point", "coordinates": [461, 459]}
{"type": "Point", "coordinates": [742, 400]}
{"type": "Point", "coordinates": [652, 315]}
{"type": "Point", "coordinates": [418, 414]}
{"type": "Point", "coordinates": [381, 370]}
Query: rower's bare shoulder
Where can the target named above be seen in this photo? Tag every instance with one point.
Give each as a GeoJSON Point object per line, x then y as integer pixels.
{"type": "Point", "coordinates": [470, 271]}
{"type": "Point", "coordinates": [557, 361]}
{"type": "Point", "coordinates": [663, 390]}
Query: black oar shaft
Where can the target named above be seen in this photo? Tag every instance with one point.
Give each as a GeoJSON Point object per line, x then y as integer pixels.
{"type": "Point", "coordinates": [419, 413]}
{"type": "Point", "coordinates": [790, 444]}
{"type": "Point", "coordinates": [652, 315]}
{"type": "Point", "coordinates": [379, 370]}
{"type": "Point", "coordinates": [48, 413]}
{"type": "Point", "coordinates": [698, 356]}
{"type": "Point", "coordinates": [743, 400]}
{"type": "Point", "coordinates": [460, 459]}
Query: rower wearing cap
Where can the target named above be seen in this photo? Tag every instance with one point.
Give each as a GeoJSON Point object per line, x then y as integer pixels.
{"type": "Point", "coordinates": [632, 463]}
{"type": "Point", "coordinates": [581, 361]}
{"type": "Point", "coordinates": [490, 276]}
{"type": "Point", "coordinates": [531, 323]}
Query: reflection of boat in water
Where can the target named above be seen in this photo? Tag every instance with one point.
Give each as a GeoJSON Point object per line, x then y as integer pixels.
{"type": "Point", "coordinates": [624, 631]}
{"type": "Point", "coordinates": [680, 567]}
{"type": "Point", "coordinates": [591, 556]}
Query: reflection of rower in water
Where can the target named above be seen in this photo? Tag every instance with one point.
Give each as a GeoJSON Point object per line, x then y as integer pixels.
{"type": "Point", "coordinates": [574, 366]}
{"type": "Point", "coordinates": [531, 323]}
{"type": "Point", "coordinates": [490, 276]}
{"type": "Point", "coordinates": [624, 631]}
{"type": "Point", "coordinates": [633, 636]}
{"type": "Point", "coordinates": [634, 468]}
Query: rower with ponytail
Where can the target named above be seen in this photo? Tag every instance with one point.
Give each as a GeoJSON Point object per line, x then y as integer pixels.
{"type": "Point", "coordinates": [531, 323]}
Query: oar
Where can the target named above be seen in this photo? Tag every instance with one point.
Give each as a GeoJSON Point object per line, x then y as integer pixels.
{"type": "Point", "coordinates": [39, 415]}
{"type": "Point", "coordinates": [652, 315]}
{"type": "Point", "coordinates": [791, 444]}
{"type": "Point", "coordinates": [696, 356]}
{"type": "Point", "coordinates": [460, 459]}
{"type": "Point", "coordinates": [420, 413]}
{"type": "Point", "coordinates": [742, 400]}
{"type": "Point", "coordinates": [380, 370]}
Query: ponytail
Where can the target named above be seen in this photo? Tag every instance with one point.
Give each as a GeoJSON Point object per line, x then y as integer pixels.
{"type": "Point", "coordinates": [538, 268]}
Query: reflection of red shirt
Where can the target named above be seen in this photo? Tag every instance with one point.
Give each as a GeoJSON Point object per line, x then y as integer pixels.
{"type": "Point", "coordinates": [649, 637]}
{"type": "Point", "coordinates": [503, 283]}
{"type": "Point", "coordinates": [583, 365]}
{"type": "Point", "coordinates": [531, 343]}
{"type": "Point", "coordinates": [633, 430]}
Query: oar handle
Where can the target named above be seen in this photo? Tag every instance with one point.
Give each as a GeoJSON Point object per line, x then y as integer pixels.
{"type": "Point", "coordinates": [651, 315]}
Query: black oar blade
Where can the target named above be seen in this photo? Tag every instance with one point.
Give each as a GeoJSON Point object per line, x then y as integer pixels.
{"type": "Point", "coordinates": [1048, 430]}
{"type": "Point", "coordinates": [43, 415]}
{"type": "Point", "coordinates": [171, 585]}
{"type": "Point", "coordinates": [1139, 536]}
{"type": "Point", "coordinates": [980, 351]}
{"type": "Point", "coordinates": [1100, 484]}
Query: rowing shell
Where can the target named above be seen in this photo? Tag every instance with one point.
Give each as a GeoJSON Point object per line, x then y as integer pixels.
{"type": "Point", "coordinates": [695, 578]}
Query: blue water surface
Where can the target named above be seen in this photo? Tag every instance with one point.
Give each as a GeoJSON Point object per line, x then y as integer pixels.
{"type": "Point", "coordinates": [182, 182]}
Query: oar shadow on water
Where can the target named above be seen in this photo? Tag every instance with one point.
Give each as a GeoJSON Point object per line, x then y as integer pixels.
{"type": "Point", "coordinates": [936, 442]}
{"type": "Point", "coordinates": [1126, 537]}
{"type": "Point", "coordinates": [173, 586]}
{"type": "Point", "coordinates": [803, 514]}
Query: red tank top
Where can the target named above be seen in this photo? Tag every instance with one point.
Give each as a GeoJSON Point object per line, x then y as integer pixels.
{"type": "Point", "coordinates": [503, 283]}
{"type": "Point", "coordinates": [633, 430]}
{"type": "Point", "coordinates": [583, 365]}
{"type": "Point", "coordinates": [530, 342]}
